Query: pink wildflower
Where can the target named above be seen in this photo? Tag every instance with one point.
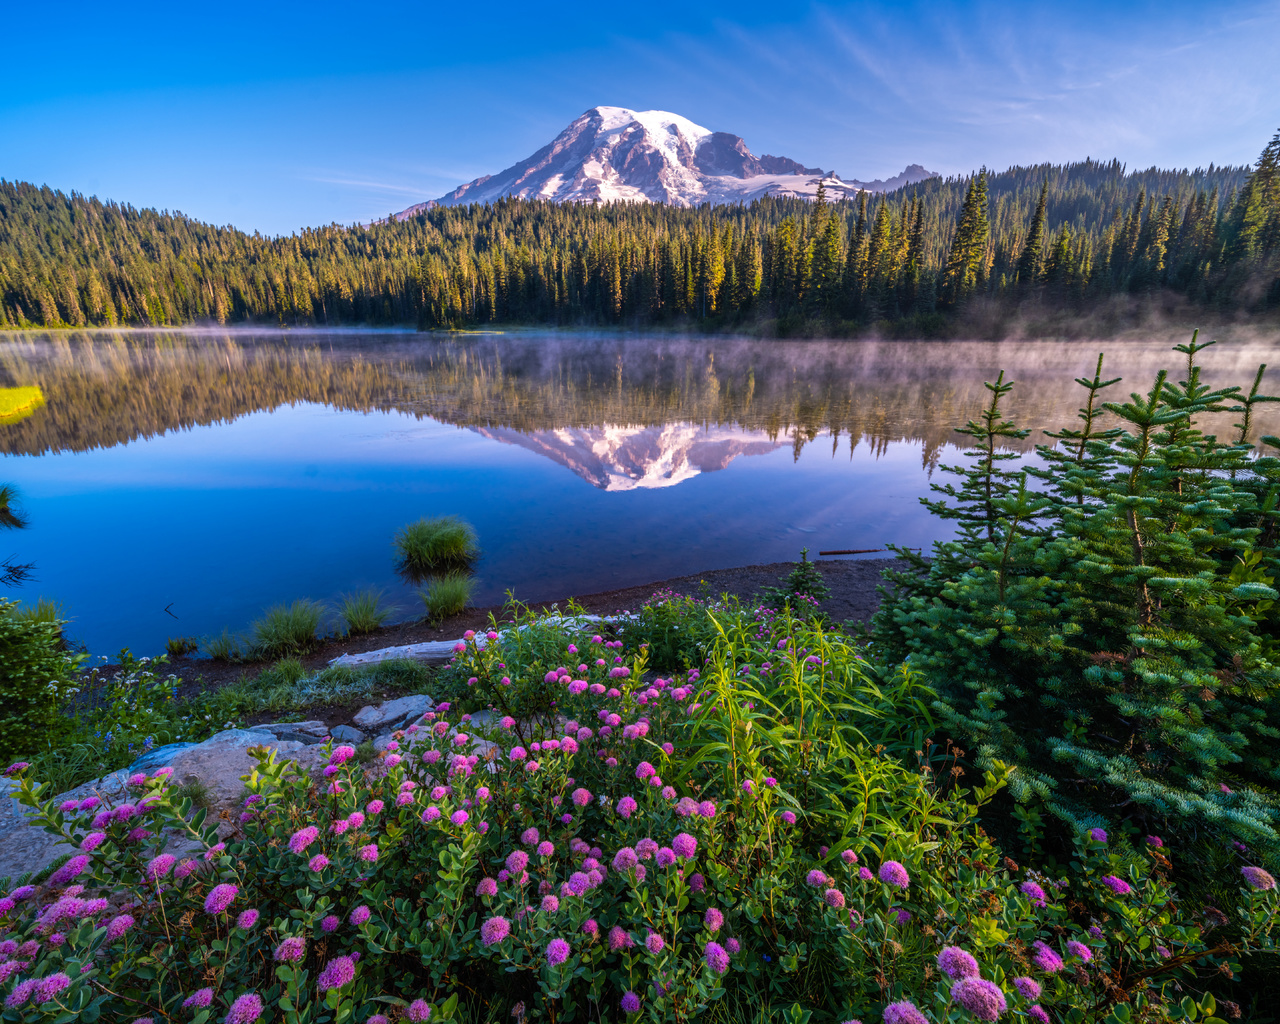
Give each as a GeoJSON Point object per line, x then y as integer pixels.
{"type": "Point", "coordinates": [980, 997]}
{"type": "Point", "coordinates": [292, 949]}
{"type": "Point", "coordinates": [303, 838]}
{"type": "Point", "coordinates": [418, 1010]}
{"type": "Point", "coordinates": [1046, 958]}
{"type": "Point", "coordinates": [118, 926]}
{"type": "Point", "coordinates": [955, 962]}
{"type": "Point", "coordinates": [246, 1009]}
{"type": "Point", "coordinates": [220, 898]}
{"type": "Point", "coordinates": [494, 930]}
{"type": "Point", "coordinates": [620, 939]}
{"type": "Point", "coordinates": [684, 845]}
{"type": "Point", "coordinates": [339, 971]}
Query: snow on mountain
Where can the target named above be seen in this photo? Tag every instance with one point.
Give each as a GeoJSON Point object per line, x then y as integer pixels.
{"type": "Point", "coordinates": [618, 458]}
{"type": "Point", "coordinates": [615, 154]}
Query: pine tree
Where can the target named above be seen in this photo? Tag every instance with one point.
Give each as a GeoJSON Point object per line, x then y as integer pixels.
{"type": "Point", "coordinates": [964, 267]}
{"type": "Point", "coordinates": [1029, 261]}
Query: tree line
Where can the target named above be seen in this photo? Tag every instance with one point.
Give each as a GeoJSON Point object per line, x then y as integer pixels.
{"type": "Point", "coordinates": [1068, 234]}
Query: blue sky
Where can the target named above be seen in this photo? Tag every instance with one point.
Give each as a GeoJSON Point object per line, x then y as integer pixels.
{"type": "Point", "coordinates": [276, 116]}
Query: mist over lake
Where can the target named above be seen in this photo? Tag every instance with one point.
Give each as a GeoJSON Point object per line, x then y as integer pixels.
{"type": "Point", "coordinates": [179, 482]}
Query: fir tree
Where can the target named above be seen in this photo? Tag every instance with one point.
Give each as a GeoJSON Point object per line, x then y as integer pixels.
{"type": "Point", "coordinates": [1119, 652]}
{"type": "Point", "coordinates": [1029, 261]}
{"type": "Point", "coordinates": [968, 245]}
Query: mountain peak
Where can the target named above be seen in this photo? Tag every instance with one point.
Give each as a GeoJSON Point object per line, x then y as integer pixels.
{"type": "Point", "coordinates": [611, 154]}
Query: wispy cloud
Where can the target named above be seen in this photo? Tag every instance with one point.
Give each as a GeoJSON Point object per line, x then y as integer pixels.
{"type": "Point", "coordinates": [376, 186]}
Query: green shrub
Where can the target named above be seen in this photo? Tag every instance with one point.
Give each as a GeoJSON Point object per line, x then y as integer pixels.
{"type": "Point", "coordinates": [675, 629]}
{"type": "Point", "coordinates": [363, 613]}
{"type": "Point", "coordinates": [287, 629]}
{"type": "Point", "coordinates": [224, 647]}
{"type": "Point", "coordinates": [447, 595]}
{"type": "Point", "coordinates": [1113, 633]}
{"type": "Point", "coordinates": [726, 831]}
{"type": "Point", "coordinates": [181, 646]}
{"type": "Point", "coordinates": [136, 707]}
{"type": "Point", "coordinates": [430, 545]}
{"type": "Point", "coordinates": [37, 675]}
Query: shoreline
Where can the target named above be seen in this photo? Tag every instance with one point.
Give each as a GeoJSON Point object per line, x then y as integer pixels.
{"type": "Point", "coordinates": [853, 597]}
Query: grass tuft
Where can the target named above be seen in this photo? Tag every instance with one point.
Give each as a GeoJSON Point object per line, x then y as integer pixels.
{"type": "Point", "coordinates": [181, 646]}
{"type": "Point", "coordinates": [430, 545]}
{"type": "Point", "coordinates": [44, 610]}
{"type": "Point", "coordinates": [196, 791]}
{"type": "Point", "coordinates": [447, 595]}
{"type": "Point", "coordinates": [363, 612]}
{"type": "Point", "coordinates": [287, 629]}
{"type": "Point", "coordinates": [224, 647]}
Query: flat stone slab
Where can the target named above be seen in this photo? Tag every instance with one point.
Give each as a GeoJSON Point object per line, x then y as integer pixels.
{"type": "Point", "coordinates": [299, 732]}
{"type": "Point", "coordinates": [431, 649]}
{"type": "Point", "coordinates": [390, 714]}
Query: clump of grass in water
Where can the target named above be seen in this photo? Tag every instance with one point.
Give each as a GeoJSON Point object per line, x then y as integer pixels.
{"type": "Point", "coordinates": [287, 629]}
{"type": "Point", "coordinates": [363, 612]}
{"type": "Point", "coordinates": [429, 545]}
{"type": "Point", "coordinates": [447, 595]}
{"type": "Point", "coordinates": [180, 646]}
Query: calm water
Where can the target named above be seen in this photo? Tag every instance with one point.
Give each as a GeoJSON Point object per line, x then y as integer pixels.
{"type": "Point", "coordinates": [180, 482]}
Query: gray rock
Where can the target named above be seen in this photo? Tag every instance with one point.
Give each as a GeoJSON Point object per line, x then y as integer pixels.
{"type": "Point", "coordinates": [483, 720]}
{"type": "Point", "coordinates": [157, 758]}
{"type": "Point", "coordinates": [240, 738]}
{"type": "Point", "coordinates": [391, 714]}
{"type": "Point", "coordinates": [380, 742]}
{"type": "Point", "coordinates": [346, 734]}
{"type": "Point", "coordinates": [299, 732]}
{"type": "Point", "coordinates": [312, 726]}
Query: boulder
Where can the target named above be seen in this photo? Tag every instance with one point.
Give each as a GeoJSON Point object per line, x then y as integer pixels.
{"type": "Point", "coordinates": [218, 762]}
{"type": "Point", "coordinates": [24, 847]}
{"type": "Point", "coordinates": [220, 765]}
{"type": "Point", "coordinates": [390, 715]}
{"type": "Point", "coordinates": [157, 758]}
{"type": "Point", "coordinates": [346, 734]}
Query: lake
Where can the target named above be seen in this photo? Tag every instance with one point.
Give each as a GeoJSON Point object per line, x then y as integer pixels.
{"type": "Point", "coordinates": [180, 482]}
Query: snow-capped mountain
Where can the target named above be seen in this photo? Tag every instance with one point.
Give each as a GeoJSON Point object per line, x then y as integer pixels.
{"type": "Point", "coordinates": [617, 458]}
{"type": "Point", "coordinates": [611, 153]}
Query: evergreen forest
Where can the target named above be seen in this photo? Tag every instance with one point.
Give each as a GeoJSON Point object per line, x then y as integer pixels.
{"type": "Point", "coordinates": [1060, 236]}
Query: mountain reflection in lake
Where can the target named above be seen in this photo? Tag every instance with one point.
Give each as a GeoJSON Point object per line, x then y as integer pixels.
{"type": "Point", "coordinates": [215, 473]}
